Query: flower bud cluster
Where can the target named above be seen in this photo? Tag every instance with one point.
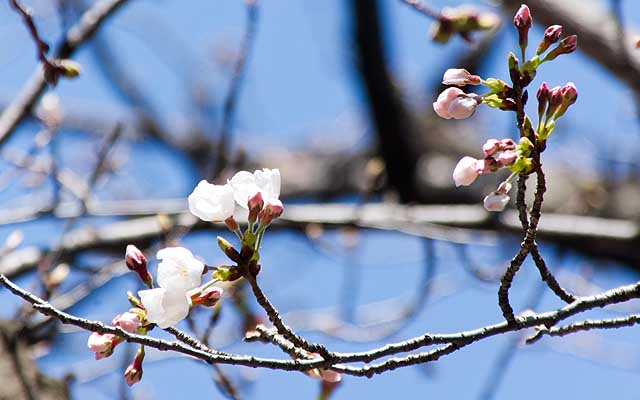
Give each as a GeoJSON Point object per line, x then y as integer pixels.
{"type": "Point", "coordinates": [552, 104]}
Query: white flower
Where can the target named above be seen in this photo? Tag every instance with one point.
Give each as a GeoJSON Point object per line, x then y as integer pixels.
{"type": "Point", "coordinates": [211, 202]}
{"type": "Point", "coordinates": [165, 308]}
{"type": "Point", "coordinates": [245, 185]}
{"type": "Point", "coordinates": [496, 201]}
{"type": "Point", "coordinates": [459, 77]}
{"type": "Point", "coordinates": [465, 171]}
{"type": "Point", "coordinates": [178, 270]}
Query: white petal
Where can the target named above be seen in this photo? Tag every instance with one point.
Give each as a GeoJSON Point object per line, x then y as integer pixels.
{"type": "Point", "coordinates": [179, 269]}
{"type": "Point", "coordinates": [244, 186]}
{"type": "Point", "coordinates": [211, 202]}
{"type": "Point", "coordinates": [268, 181]}
{"type": "Point", "coordinates": [152, 302]}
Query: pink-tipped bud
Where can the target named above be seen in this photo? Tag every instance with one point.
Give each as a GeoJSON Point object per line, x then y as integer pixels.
{"type": "Point", "coordinates": [206, 298]}
{"type": "Point", "coordinates": [551, 35]}
{"type": "Point", "coordinates": [555, 100]}
{"type": "Point", "coordinates": [507, 144]}
{"type": "Point", "coordinates": [486, 165]}
{"type": "Point", "coordinates": [569, 93]}
{"type": "Point", "coordinates": [255, 204]}
{"type": "Point", "coordinates": [464, 174]}
{"type": "Point", "coordinates": [137, 262]}
{"type": "Point", "coordinates": [507, 157]}
{"type": "Point", "coordinates": [128, 321]}
{"type": "Point", "coordinates": [231, 224]}
{"type": "Point", "coordinates": [459, 77]}
{"type": "Point", "coordinates": [496, 201]}
{"type": "Point", "coordinates": [464, 106]}
{"type": "Point", "coordinates": [133, 373]}
{"type": "Point", "coordinates": [566, 46]}
{"type": "Point", "coordinates": [490, 147]}
{"type": "Point", "coordinates": [272, 210]}
{"type": "Point", "coordinates": [543, 98]}
{"type": "Point", "coordinates": [522, 21]}
{"type": "Point", "coordinates": [102, 344]}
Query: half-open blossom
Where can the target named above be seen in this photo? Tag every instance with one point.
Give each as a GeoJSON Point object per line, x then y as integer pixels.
{"type": "Point", "coordinates": [245, 185]}
{"type": "Point", "coordinates": [102, 344]}
{"type": "Point", "coordinates": [463, 106]}
{"type": "Point", "coordinates": [128, 321]}
{"type": "Point", "coordinates": [496, 201]}
{"type": "Point", "coordinates": [211, 202]}
{"type": "Point", "coordinates": [464, 174]}
{"type": "Point", "coordinates": [442, 103]}
{"type": "Point", "coordinates": [178, 269]}
{"type": "Point", "coordinates": [459, 77]}
{"type": "Point", "coordinates": [165, 308]}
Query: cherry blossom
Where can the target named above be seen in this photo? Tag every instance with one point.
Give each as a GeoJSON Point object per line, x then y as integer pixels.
{"type": "Point", "coordinates": [211, 202]}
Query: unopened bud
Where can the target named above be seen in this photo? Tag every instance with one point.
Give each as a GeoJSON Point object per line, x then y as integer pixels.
{"type": "Point", "coordinates": [272, 210]}
{"type": "Point", "coordinates": [496, 201]}
{"type": "Point", "coordinates": [522, 21]}
{"type": "Point", "coordinates": [555, 100]}
{"type": "Point", "coordinates": [543, 98]}
{"type": "Point", "coordinates": [551, 36]}
{"type": "Point", "coordinates": [566, 46]}
{"type": "Point", "coordinates": [569, 94]}
{"type": "Point", "coordinates": [133, 373]}
{"type": "Point", "coordinates": [207, 297]}
{"type": "Point", "coordinates": [514, 68]}
{"type": "Point", "coordinates": [255, 205]}
{"type": "Point", "coordinates": [231, 224]}
{"type": "Point", "coordinates": [137, 262]}
{"type": "Point", "coordinates": [459, 77]}
{"type": "Point", "coordinates": [490, 147]}
{"type": "Point", "coordinates": [228, 249]}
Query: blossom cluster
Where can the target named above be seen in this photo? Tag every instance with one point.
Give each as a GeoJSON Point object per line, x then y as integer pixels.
{"type": "Point", "coordinates": [178, 285]}
{"type": "Point", "coordinates": [454, 103]}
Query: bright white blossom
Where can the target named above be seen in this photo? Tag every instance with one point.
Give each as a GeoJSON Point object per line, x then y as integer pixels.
{"type": "Point", "coordinates": [178, 272]}
{"type": "Point", "coordinates": [245, 185]}
{"type": "Point", "coordinates": [165, 308]}
{"type": "Point", "coordinates": [496, 201]}
{"type": "Point", "coordinates": [211, 202]}
{"type": "Point", "coordinates": [178, 269]}
{"type": "Point", "coordinates": [464, 174]}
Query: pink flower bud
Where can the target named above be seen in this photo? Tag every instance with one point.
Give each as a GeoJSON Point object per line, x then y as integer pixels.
{"type": "Point", "coordinates": [496, 201]}
{"type": "Point", "coordinates": [133, 373]}
{"type": "Point", "coordinates": [206, 298]}
{"type": "Point", "coordinates": [522, 20]}
{"type": "Point", "coordinates": [555, 100]}
{"type": "Point", "coordinates": [137, 262]}
{"type": "Point", "coordinates": [272, 210]}
{"type": "Point", "coordinates": [543, 97]}
{"type": "Point", "coordinates": [102, 344]}
{"type": "Point", "coordinates": [463, 106]}
{"type": "Point", "coordinates": [464, 174]}
{"type": "Point", "coordinates": [128, 321]}
{"type": "Point", "coordinates": [442, 103]}
{"type": "Point", "coordinates": [569, 93]}
{"type": "Point", "coordinates": [507, 157]}
{"type": "Point", "coordinates": [566, 46]}
{"type": "Point", "coordinates": [255, 205]}
{"type": "Point", "coordinates": [507, 144]}
{"type": "Point", "coordinates": [459, 77]}
{"type": "Point", "coordinates": [552, 33]}
{"type": "Point", "coordinates": [490, 147]}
